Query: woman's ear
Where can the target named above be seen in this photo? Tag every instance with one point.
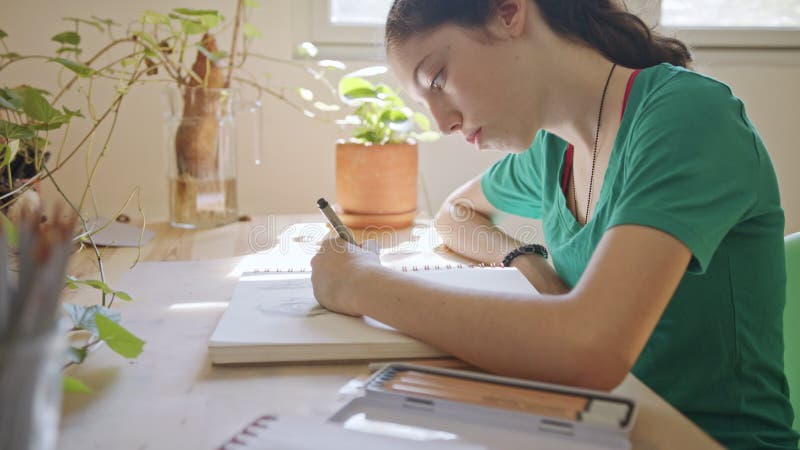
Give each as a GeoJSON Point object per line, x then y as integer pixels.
{"type": "Point", "coordinates": [511, 16]}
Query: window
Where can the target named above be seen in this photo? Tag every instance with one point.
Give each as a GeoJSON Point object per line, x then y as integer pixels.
{"type": "Point", "coordinates": [700, 23]}
{"type": "Point", "coordinates": [359, 13]}
{"type": "Point", "coordinates": [761, 24]}
{"type": "Point", "coordinates": [730, 13]}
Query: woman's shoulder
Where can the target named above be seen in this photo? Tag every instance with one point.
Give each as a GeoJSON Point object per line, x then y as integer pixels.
{"type": "Point", "coordinates": [666, 85]}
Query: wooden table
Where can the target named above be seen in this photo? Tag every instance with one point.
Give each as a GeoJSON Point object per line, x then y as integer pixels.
{"type": "Point", "coordinates": [171, 397]}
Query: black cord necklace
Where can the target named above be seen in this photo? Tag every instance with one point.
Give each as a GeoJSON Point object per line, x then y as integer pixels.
{"type": "Point", "coordinates": [594, 155]}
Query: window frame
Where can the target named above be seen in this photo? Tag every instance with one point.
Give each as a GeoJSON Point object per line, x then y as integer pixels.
{"type": "Point", "coordinates": [365, 42]}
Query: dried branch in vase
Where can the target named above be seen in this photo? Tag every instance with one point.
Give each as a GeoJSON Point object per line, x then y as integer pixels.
{"type": "Point", "coordinates": [196, 138]}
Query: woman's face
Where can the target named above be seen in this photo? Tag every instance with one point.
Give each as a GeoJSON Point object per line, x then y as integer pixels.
{"type": "Point", "coordinates": [481, 87]}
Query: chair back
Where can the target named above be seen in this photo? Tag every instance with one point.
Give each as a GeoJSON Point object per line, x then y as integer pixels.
{"type": "Point", "coordinates": [791, 322]}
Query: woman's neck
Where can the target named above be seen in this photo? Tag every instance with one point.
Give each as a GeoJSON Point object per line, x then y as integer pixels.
{"type": "Point", "coordinates": [576, 89]}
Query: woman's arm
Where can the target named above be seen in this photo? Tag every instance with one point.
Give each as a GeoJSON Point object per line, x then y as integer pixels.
{"type": "Point", "coordinates": [466, 224]}
{"type": "Point", "coordinates": [590, 337]}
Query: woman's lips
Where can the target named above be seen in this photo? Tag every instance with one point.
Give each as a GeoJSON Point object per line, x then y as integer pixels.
{"type": "Point", "coordinates": [474, 137]}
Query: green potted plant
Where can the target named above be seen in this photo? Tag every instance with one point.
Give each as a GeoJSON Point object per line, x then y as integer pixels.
{"type": "Point", "coordinates": [377, 166]}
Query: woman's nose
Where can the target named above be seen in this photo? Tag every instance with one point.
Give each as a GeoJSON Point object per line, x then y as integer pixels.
{"type": "Point", "coordinates": [449, 121]}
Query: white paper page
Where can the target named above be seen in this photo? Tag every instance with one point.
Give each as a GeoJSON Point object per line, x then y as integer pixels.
{"type": "Point", "coordinates": [280, 308]}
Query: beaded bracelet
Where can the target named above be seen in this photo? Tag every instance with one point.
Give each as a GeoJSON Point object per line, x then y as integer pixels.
{"type": "Point", "coordinates": [530, 249]}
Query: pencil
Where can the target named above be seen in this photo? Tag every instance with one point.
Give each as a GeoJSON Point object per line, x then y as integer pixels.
{"type": "Point", "coordinates": [467, 396]}
{"type": "Point", "coordinates": [335, 222]}
{"type": "Point", "coordinates": [543, 397]}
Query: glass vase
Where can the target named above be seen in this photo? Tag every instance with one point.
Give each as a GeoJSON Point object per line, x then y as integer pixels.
{"type": "Point", "coordinates": [30, 389]}
{"type": "Point", "coordinates": [200, 148]}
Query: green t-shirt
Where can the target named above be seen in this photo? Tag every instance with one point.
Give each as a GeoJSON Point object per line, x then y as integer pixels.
{"type": "Point", "coordinates": [686, 161]}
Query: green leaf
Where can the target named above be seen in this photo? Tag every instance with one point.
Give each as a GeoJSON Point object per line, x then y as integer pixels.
{"type": "Point", "coordinates": [155, 18]}
{"type": "Point", "coordinates": [10, 99]}
{"type": "Point", "coordinates": [10, 151]}
{"type": "Point", "coordinates": [76, 355]}
{"type": "Point", "coordinates": [75, 66]}
{"type": "Point", "coordinates": [12, 131]}
{"type": "Point", "coordinates": [396, 120]}
{"type": "Point", "coordinates": [9, 230]}
{"type": "Point", "coordinates": [210, 21]}
{"type": "Point", "coordinates": [122, 296]}
{"type": "Point", "coordinates": [348, 84]}
{"type": "Point", "coordinates": [72, 385]}
{"type": "Point", "coordinates": [67, 37]}
{"type": "Point", "coordinates": [5, 104]}
{"type": "Point", "coordinates": [428, 136]}
{"type": "Point", "coordinates": [251, 4]}
{"type": "Point", "coordinates": [118, 338]}
{"type": "Point", "coordinates": [70, 113]}
{"type": "Point", "coordinates": [214, 56]}
{"type": "Point", "coordinates": [97, 284]}
{"type": "Point", "coordinates": [83, 317]}
{"type": "Point", "coordinates": [250, 31]}
{"type": "Point", "coordinates": [370, 136]}
{"type": "Point", "coordinates": [35, 106]}
{"type": "Point", "coordinates": [52, 125]}
{"type": "Point", "coordinates": [3, 34]}
{"type": "Point", "coordinates": [196, 12]}
{"type": "Point", "coordinates": [20, 91]}
{"type": "Point", "coordinates": [422, 121]}
{"type": "Point", "coordinates": [359, 96]}
{"type": "Point", "coordinates": [354, 90]}
{"type": "Point", "coordinates": [385, 91]}
{"type": "Point", "coordinates": [191, 27]}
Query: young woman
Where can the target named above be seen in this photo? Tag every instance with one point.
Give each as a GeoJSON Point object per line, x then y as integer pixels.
{"type": "Point", "coordinates": [658, 200]}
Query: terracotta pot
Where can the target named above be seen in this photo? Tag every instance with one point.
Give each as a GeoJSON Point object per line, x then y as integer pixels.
{"type": "Point", "coordinates": [376, 185]}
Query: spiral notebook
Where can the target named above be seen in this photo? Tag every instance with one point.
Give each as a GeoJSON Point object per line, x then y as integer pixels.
{"type": "Point", "coordinates": [300, 433]}
{"type": "Point", "coordinates": [273, 317]}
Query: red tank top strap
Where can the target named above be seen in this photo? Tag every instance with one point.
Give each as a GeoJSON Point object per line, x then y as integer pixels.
{"type": "Point", "coordinates": [628, 91]}
{"type": "Point", "coordinates": [567, 168]}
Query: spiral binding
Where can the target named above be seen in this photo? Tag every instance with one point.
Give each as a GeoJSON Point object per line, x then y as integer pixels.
{"type": "Point", "coordinates": [307, 269]}
{"type": "Point", "coordinates": [252, 430]}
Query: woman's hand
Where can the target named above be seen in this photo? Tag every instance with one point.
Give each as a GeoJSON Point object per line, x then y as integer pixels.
{"type": "Point", "coordinates": [336, 270]}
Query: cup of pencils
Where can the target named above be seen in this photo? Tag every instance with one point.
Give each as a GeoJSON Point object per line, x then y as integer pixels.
{"type": "Point", "coordinates": [32, 338]}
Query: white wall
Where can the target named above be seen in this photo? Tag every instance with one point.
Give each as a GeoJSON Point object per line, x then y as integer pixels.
{"type": "Point", "coordinates": [298, 156]}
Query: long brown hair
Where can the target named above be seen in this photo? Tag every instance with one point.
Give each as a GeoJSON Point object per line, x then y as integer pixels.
{"type": "Point", "coordinates": [602, 24]}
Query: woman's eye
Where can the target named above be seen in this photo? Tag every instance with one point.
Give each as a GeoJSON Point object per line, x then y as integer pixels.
{"type": "Point", "coordinates": [438, 81]}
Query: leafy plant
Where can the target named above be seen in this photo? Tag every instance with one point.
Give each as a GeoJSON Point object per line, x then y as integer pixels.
{"type": "Point", "coordinates": [377, 114]}
{"type": "Point", "coordinates": [153, 48]}
{"type": "Point", "coordinates": [29, 117]}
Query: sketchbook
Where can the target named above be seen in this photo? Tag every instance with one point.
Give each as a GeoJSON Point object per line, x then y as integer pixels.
{"type": "Point", "coordinates": [273, 317]}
